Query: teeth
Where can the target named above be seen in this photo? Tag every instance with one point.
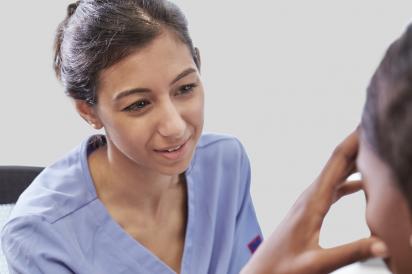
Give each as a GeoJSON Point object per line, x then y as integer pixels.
{"type": "Point", "coordinates": [173, 149]}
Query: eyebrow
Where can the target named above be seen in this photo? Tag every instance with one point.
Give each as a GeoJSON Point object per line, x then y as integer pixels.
{"type": "Point", "coordinates": [128, 92]}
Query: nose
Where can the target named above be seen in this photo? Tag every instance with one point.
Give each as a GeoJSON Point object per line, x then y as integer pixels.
{"type": "Point", "coordinates": [171, 123]}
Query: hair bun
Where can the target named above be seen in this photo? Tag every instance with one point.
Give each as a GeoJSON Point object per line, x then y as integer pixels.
{"type": "Point", "coordinates": [72, 8]}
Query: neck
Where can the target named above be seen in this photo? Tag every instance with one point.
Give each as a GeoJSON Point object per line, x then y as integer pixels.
{"type": "Point", "coordinates": [120, 181]}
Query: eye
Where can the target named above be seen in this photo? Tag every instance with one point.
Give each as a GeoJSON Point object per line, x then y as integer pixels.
{"type": "Point", "coordinates": [137, 106]}
{"type": "Point", "coordinates": [186, 89]}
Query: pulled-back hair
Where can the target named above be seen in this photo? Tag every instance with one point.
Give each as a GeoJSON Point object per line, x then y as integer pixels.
{"type": "Point", "coordinates": [99, 33]}
{"type": "Point", "coordinates": [387, 115]}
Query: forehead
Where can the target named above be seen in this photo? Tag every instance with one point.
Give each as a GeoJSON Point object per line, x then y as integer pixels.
{"type": "Point", "coordinates": [367, 159]}
{"type": "Point", "coordinates": [165, 56]}
{"type": "Point", "coordinates": [373, 169]}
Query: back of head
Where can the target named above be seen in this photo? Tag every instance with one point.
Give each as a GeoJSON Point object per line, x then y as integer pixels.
{"type": "Point", "coordinates": [98, 33]}
{"type": "Point", "coordinates": [387, 116]}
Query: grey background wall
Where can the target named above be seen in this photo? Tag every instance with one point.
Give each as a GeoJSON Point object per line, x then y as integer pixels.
{"type": "Point", "coordinates": [287, 78]}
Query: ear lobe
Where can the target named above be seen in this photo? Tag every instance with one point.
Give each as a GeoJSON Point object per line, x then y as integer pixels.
{"type": "Point", "coordinates": [199, 62]}
{"type": "Point", "coordinates": [88, 113]}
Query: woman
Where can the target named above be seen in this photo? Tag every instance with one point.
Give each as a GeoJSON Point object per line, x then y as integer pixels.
{"type": "Point", "coordinates": [152, 195]}
{"type": "Point", "coordinates": [384, 160]}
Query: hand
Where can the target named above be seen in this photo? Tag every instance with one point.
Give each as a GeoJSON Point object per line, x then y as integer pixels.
{"type": "Point", "coordinates": [294, 246]}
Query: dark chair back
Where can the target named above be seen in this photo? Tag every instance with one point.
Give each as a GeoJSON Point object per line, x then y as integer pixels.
{"type": "Point", "coordinates": [14, 180]}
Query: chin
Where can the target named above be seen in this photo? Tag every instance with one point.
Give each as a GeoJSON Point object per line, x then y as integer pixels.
{"type": "Point", "coordinates": [174, 170]}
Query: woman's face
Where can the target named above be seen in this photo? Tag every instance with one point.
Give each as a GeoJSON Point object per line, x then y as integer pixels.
{"type": "Point", "coordinates": [151, 107]}
{"type": "Point", "coordinates": [387, 211]}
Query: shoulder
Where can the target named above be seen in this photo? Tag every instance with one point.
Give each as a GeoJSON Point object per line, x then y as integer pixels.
{"type": "Point", "coordinates": [23, 230]}
{"type": "Point", "coordinates": [221, 166]}
{"type": "Point", "coordinates": [32, 245]}
{"type": "Point", "coordinates": [22, 235]}
{"type": "Point", "coordinates": [216, 139]}
{"type": "Point", "coordinates": [220, 146]}
{"type": "Point", "coordinates": [58, 190]}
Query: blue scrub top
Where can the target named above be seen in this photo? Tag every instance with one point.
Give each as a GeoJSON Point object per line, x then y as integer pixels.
{"type": "Point", "coordinates": [60, 226]}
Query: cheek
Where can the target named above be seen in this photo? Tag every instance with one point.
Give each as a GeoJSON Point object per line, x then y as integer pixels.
{"type": "Point", "coordinates": [384, 215]}
{"type": "Point", "coordinates": [194, 111]}
{"type": "Point", "coordinates": [128, 134]}
{"type": "Point", "coordinates": [375, 214]}
{"type": "Point", "coordinates": [383, 208]}
{"type": "Point", "coordinates": [200, 100]}
{"type": "Point", "coordinates": [387, 216]}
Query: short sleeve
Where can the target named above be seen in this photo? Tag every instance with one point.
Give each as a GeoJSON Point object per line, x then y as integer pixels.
{"type": "Point", "coordinates": [31, 247]}
{"type": "Point", "coordinates": [248, 234]}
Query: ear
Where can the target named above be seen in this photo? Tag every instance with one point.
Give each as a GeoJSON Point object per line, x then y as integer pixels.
{"type": "Point", "coordinates": [88, 113]}
{"type": "Point", "coordinates": [199, 62]}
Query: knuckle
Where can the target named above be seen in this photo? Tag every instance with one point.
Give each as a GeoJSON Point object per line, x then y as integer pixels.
{"type": "Point", "coordinates": [307, 264]}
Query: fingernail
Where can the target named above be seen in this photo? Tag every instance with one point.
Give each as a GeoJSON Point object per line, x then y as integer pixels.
{"type": "Point", "coordinates": [379, 250]}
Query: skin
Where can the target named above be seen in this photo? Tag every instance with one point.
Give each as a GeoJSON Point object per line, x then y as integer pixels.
{"type": "Point", "coordinates": [294, 247]}
{"type": "Point", "coordinates": [144, 191]}
{"type": "Point", "coordinates": [141, 185]}
{"type": "Point", "coordinates": [387, 212]}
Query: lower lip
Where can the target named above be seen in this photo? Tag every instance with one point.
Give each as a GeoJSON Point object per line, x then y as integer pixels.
{"type": "Point", "coordinates": [175, 155]}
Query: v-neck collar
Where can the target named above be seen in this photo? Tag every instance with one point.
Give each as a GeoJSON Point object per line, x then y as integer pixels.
{"type": "Point", "coordinates": [136, 252]}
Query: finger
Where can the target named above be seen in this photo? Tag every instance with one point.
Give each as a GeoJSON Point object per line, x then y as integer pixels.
{"type": "Point", "coordinates": [316, 210]}
{"type": "Point", "coordinates": [354, 169]}
{"type": "Point", "coordinates": [334, 258]}
{"type": "Point", "coordinates": [339, 166]}
{"type": "Point", "coordinates": [348, 188]}
{"type": "Point", "coordinates": [342, 161]}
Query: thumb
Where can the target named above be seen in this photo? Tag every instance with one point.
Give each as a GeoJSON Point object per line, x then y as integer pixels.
{"type": "Point", "coordinates": [336, 257]}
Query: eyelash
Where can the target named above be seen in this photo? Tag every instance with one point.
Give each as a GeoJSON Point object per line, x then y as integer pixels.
{"type": "Point", "coordinates": [137, 106]}
{"type": "Point", "coordinates": [187, 89]}
{"type": "Point", "coordinates": [141, 104]}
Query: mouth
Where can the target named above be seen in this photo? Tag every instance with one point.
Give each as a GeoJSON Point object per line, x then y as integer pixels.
{"type": "Point", "coordinates": [171, 149]}
{"type": "Point", "coordinates": [174, 152]}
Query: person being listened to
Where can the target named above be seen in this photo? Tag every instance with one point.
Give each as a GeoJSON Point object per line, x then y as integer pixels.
{"type": "Point", "coordinates": [381, 149]}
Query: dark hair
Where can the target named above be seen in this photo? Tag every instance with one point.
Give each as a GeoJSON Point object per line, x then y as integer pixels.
{"type": "Point", "coordinates": [387, 115]}
{"type": "Point", "coordinates": [99, 33]}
